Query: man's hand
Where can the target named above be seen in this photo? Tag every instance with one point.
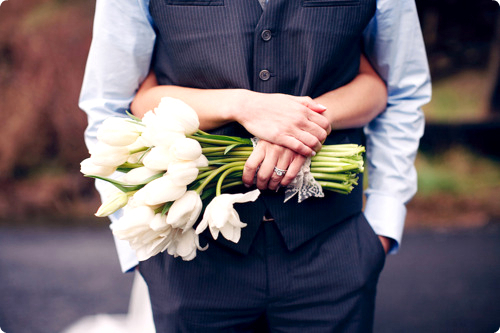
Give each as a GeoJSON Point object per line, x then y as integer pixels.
{"type": "Point", "coordinates": [293, 122]}
{"type": "Point", "coordinates": [264, 158]}
{"type": "Point", "coordinates": [386, 243]}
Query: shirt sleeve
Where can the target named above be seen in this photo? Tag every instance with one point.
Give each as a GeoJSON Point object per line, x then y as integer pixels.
{"type": "Point", "coordinates": [394, 45]}
{"type": "Point", "coordinates": [119, 60]}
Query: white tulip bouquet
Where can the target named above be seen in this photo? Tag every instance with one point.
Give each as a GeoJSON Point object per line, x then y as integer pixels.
{"type": "Point", "coordinates": [165, 171]}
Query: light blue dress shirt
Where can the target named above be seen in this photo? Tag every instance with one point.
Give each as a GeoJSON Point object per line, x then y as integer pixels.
{"type": "Point", "coordinates": [120, 57]}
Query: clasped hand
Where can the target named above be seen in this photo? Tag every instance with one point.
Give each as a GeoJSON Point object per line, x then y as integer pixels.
{"type": "Point", "coordinates": [290, 128]}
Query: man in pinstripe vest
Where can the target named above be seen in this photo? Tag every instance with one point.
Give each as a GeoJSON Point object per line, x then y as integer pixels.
{"type": "Point", "coordinates": [241, 65]}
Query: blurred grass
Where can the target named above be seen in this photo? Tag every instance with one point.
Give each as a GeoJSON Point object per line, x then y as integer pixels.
{"type": "Point", "coordinates": [457, 172]}
{"type": "Point", "coordinates": [460, 97]}
{"type": "Point", "coordinates": [456, 189]}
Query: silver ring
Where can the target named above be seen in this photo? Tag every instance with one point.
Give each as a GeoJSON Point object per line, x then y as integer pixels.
{"type": "Point", "coordinates": [279, 172]}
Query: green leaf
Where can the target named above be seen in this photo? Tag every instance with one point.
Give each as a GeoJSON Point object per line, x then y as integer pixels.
{"type": "Point", "coordinates": [228, 148]}
{"type": "Point", "coordinates": [221, 139]}
{"type": "Point", "coordinates": [132, 116]}
{"type": "Point", "coordinates": [166, 207]}
{"type": "Point", "coordinates": [124, 187]}
{"type": "Point", "coordinates": [120, 185]}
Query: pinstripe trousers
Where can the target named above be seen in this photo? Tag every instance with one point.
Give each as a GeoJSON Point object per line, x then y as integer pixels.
{"type": "Point", "coordinates": [326, 285]}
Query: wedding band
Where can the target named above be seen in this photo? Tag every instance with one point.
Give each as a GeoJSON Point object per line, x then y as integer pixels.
{"type": "Point", "coordinates": [279, 172]}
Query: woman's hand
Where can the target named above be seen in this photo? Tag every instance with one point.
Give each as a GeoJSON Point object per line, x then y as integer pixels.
{"type": "Point", "coordinates": [264, 158]}
{"type": "Point", "coordinates": [289, 121]}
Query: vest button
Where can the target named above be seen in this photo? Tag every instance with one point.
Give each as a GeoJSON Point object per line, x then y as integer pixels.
{"type": "Point", "coordinates": [264, 75]}
{"type": "Point", "coordinates": [266, 35]}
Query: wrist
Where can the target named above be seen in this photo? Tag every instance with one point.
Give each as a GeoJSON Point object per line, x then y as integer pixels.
{"type": "Point", "coordinates": [386, 243]}
{"type": "Point", "coordinates": [235, 108]}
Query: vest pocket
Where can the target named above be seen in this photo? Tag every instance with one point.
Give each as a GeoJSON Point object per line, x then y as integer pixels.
{"type": "Point", "coordinates": [329, 3]}
{"type": "Point", "coordinates": [195, 2]}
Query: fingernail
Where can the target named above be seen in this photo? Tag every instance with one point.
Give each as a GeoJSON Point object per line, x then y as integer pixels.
{"type": "Point", "coordinates": [246, 185]}
{"type": "Point", "coordinates": [322, 106]}
{"type": "Point", "coordinates": [313, 153]}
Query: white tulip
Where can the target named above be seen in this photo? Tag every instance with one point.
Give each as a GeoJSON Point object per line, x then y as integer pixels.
{"type": "Point", "coordinates": [159, 223]}
{"type": "Point", "coordinates": [186, 149]}
{"type": "Point", "coordinates": [160, 191]}
{"type": "Point", "coordinates": [117, 131]}
{"type": "Point", "coordinates": [160, 131]}
{"type": "Point", "coordinates": [134, 222]}
{"type": "Point", "coordinates": [185, 245]}
{"type": "Point", "coordinates": [109, 156]}
{"type": "Point", "coordinates": [185, 211]}
{"type": "Point", "coordinates": [220, 215]}
{"type": "Point", "coordinates": [183, 173]}
{"type": "Point", "coordinates": [114, 201]}
{"type": "Point", "coordinates": [181, 112]}
{"type": "Point", "coordinates": [140, 143]}
{"type": "Point", "coordinates": [87, 167]}
{"type": "Point", "coordinates": [138, 175]}
{"type": "Point", "coordinates": [158, 244]}
{"type": "Point", "coordinates": [158, 158]}
{"type": "Point", "coordinates": [201, 161]}
{"type": "Point", "coordinates": [147, 233]}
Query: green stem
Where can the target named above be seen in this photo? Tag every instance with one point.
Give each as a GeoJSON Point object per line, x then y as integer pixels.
{"type": "Point", "coordinates": [224, 175]}
{"type": "Point", "coordinates": [212, 141]}
{"type": "Point", "coordinates": [230, 153]}
{"type": "Point", "coordinates": [336, 187]}
{"type": "Point", "coordinates": [329, 164]}
{"type": "Point", "coordinates": [138, 150]}
{"type": "Point", "coordinates": [327, 176]}
{"type": "Point", "coordinates": [202, 132]}
{"type": "Point", "coordinates": [342, 148]}
{"type": "Point", "coordinates": [232, 184]}
{"type": "Point", "coordinates": [226, 160]}
{"type": "Point", "coordinates": [336, 169]}
{"type": "Point", "coordinates": [216, 172]}
{"type": "Point", "coordinates": [208, 150]}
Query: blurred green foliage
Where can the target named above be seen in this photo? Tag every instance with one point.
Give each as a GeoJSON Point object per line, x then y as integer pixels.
{"type": "Point", "coordinates": [460, 97]}
{"type": "Point", "coordinates": [457, 171]}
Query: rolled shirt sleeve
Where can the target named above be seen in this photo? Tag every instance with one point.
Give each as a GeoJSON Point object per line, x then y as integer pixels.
{"type": "Point", "coordinates": [119, 60]}
{"type": "Point", "coordinates": [395, 47]}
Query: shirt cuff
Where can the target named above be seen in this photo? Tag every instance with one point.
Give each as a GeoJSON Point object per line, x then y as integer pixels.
{"type": "Point", "coordinates": [127, 257]}
{"type": "Point", "coordinates": [386, 215]}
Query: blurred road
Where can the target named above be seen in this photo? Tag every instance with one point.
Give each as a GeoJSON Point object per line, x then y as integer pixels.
{"type": "Point", "coordinates": [439, 282]}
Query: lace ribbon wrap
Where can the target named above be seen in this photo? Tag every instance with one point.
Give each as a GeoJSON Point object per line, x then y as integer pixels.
{"type": "Point", "coordinates": [304, 185]}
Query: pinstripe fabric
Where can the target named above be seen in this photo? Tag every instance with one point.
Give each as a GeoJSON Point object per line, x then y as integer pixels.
{"type": "Point", "coordinates": [315, 47]}
{"type": "Point", "coordinates": [315, 268]}
{"type": "Point", "coordinates": [326, 285]}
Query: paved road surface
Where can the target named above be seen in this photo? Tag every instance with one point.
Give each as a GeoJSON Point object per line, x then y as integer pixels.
{"type": "Point", "coordinates": [439, 282]}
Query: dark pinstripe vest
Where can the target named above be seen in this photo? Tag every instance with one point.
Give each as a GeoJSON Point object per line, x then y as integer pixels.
{"type": "Point", "coordinates": [298, 47]}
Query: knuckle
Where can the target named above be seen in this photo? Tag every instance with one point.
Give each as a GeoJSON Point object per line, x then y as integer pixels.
{"type": "Point", "coordinates": [322, 136]}
{"type": "Point", "coordinates": [261, 178]}
{"type": "Point", "coordinates": [249, 168]}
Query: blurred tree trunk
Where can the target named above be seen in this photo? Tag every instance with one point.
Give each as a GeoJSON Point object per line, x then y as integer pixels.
{"type": "Point", "coordinates": [495, 97]}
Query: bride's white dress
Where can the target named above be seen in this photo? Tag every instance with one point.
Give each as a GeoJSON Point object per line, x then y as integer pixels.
{"type": "Point", "coordinates": [138, 319]}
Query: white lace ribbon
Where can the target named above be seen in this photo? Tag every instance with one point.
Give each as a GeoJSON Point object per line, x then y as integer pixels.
{"type": "Point", "coordinates": [304, 185]}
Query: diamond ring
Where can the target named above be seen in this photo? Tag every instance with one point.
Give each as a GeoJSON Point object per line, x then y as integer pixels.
{"type": "Point", "coordinates": [279, 172]}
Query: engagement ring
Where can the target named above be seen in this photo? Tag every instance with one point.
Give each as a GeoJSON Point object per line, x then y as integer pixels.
{"type": "Point", "coordinates": [279, 172]}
